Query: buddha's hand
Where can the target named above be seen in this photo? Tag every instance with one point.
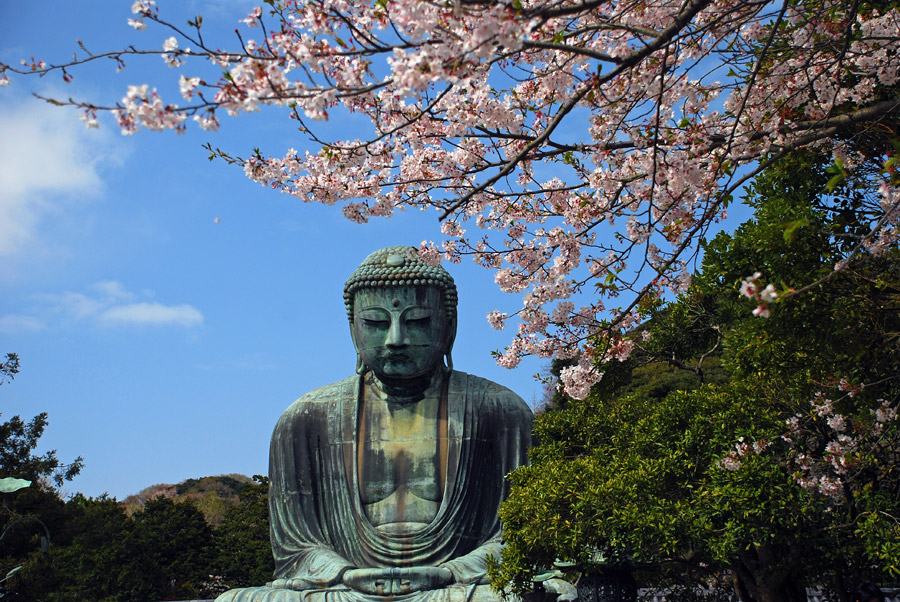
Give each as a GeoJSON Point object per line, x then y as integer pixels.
{"type": "Point", "coordinates": [396, 581]}
{"type": "Point", "coordinates": [295, 584]}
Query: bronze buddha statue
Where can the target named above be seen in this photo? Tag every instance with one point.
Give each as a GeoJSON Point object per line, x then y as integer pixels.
{"type": "Point", "coordinates": [387, 484]}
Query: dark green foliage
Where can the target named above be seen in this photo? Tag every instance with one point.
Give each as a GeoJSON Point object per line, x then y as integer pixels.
{"type": "Point", "coordinates": [23, 541]}
{"type": "Point", "coordinates": [27, 511]}
{"type": "Point", "coordinates": [245, 552]}
{"type": "Point", "coordinates": [636, 480]}
{"type": "Point", "coordinates": [637, 472]}
{"type": "Point", "coordinates": [165, 552]}
{"type": "Point", "coordinates": [18, 440]}
{"type": "Point", "coordinates": [656, 379]}
{"type": "Point", "coordinates": [225, 485]}
{"type": "Point", "coordinates": [173, 549]}
{"type": "Point", "coordinates": [89, 555]}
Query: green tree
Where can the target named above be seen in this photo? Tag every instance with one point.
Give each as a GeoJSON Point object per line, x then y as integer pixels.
{"type": "Point", "coordinates": [173, 550]}
{"type": "Point", "coordinates": [245, 551]}
{"type": "Point", "coordinates": [743, 473]}
{"type": "Point", "coordinates": [163, 552]}
{"type": "Point", "coordinates": [25, 513]}
{"type": "Point", "coordinates": [90, 559]}
{"type": "Point", "coordinates": [18, 440]}
{"type": "Point", "coordinates": [166, 550]}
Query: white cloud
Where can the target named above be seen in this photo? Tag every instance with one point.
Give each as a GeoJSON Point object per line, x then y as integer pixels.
{"type": "Point", "coordinates": [75, 305]}
{"type": "Point", "coordinates": [112, 290]}
{"type": "Point", "coordinates": [154, 314]}
{"type": "Point", "coordinates": [15, 323]}
{"type": "Point", "coordinates": [47, 157]}
{"type": "Point", "coordinates": [108, 304]}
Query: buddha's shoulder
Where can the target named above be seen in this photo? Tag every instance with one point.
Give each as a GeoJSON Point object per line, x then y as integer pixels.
{"type": "Point", "coordinates": [324, 398]}
{"type": "Point", "coordinates": [488, 393]}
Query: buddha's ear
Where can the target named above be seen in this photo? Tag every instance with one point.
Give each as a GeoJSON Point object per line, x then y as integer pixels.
{"type": "Point", "coordinates": [361, 367]}
{"type": "Point", "coordinates": [448, 344]}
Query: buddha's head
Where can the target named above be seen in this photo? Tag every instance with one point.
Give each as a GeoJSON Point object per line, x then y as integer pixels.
{"type": "Point", "coordinates": [402, 315]}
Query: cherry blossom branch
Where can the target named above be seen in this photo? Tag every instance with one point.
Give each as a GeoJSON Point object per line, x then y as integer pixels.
{"type": "Point", "coordinates": [678, 23]}
{"type": "Point", "coordinates": [472, 103]}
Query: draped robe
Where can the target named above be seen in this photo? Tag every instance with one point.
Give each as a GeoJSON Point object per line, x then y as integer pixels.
{"type": "Point", "coordinates": [319, 528]}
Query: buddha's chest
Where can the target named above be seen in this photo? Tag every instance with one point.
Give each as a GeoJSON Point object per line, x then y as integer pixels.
{"type": "Point", "coordinates": [399, 461]}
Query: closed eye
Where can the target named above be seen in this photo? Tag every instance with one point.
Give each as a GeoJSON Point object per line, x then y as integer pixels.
{"type": "Point", "coordinates": [375, 318]}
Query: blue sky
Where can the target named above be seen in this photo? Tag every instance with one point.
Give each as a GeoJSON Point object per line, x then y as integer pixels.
{"type": "Point", "coordinates": [165, 308]}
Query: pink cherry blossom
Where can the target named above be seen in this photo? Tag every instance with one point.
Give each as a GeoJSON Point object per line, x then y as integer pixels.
{"type": "Point", "coordinates": [829, 456]}
{"type": "Point", "coordinates": [252, 20]}
{"type": "Point", "coordinates": [497, 319]}
{"type": "Point", "coordinates": [143, 7]}
{"type": "Point", "coordinates": [579, 151]}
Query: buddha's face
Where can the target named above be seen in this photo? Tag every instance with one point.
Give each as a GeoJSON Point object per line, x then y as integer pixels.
{"type": "Point", "coordinates": [401, 332]}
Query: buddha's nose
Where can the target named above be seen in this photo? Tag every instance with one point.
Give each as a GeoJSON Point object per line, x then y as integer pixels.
{"type": "Point", "coordinates": [397, 334]}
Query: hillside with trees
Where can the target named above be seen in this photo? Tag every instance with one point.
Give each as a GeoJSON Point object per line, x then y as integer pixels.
{"type": "Point", "coordinates": [165, 549]}
{"type": "Point", "coordinates": [211, 495]}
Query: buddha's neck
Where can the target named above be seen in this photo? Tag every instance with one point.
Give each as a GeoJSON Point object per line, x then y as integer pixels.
{"type": "Point", "coordinates": [408, 390]}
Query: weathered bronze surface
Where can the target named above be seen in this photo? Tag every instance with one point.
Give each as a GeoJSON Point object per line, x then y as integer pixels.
{"type": "Point", "coordinates": [386, 485]}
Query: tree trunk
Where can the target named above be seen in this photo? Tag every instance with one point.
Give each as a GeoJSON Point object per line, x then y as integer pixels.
{"type": "Point", "coordinates": [763, 575]}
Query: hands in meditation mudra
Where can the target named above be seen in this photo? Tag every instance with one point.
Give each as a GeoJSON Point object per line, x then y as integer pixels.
{"type": "Point", "coordinates": [387, 484]}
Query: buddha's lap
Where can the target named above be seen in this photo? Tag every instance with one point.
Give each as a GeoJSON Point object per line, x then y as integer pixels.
{"type": "Point", "coordinates": [452, 593]}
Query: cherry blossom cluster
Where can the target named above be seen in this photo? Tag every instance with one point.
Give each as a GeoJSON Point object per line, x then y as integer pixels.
{"type": "Point", "coordinates": [847, 440]}
{"type": "Point", "coordinates": [580, 150]}
{"type": "Point", "coordinates": [826, 448]}
{"type": "Point", "coordinates": [142, 106]}
{"type": "Point", "coordinates": [734, 460]}
{"type": "Point", "coordinates": [752, 287]}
